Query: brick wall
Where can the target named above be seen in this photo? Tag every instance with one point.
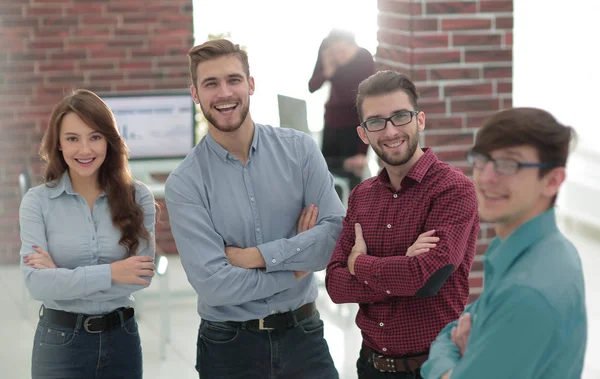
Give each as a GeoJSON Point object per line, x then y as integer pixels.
{"type": "Point", "coordinates": [459, 53]}
{"type": "Point", "coordinates": [48, 47]}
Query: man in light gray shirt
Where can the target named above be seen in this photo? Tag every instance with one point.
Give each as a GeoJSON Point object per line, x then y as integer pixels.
{"type": "Point", "coordinates": [234, 205]}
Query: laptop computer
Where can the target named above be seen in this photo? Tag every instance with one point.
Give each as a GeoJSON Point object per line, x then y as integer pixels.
{"type": "Point", "coordinates": [292, 113]}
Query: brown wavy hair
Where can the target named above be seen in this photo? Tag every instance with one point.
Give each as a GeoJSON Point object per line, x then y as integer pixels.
{"type": "Point", "coordinates": [114, 175]}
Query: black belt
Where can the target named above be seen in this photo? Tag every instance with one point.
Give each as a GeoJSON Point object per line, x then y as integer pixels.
{"type": "Point", "coordinates": [91, 324]}
{"type": "Point", "coordinates": [279, 321]}
{"type": "Point", "coordinates": [408, 363]}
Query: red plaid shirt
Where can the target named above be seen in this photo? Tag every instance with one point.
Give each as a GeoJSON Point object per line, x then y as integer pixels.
{"type": "Point", "coordinates": [434, 195]}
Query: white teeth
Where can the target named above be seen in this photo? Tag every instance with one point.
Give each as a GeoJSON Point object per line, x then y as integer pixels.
{"type": "Point", "coordinates": [85, 161]}
{"type": "Point", "coordinates": [493, 196]}
{"type": "Point", "coordinates": [395, 144]}
{"type": "Point", "coordinates": [225, 106]}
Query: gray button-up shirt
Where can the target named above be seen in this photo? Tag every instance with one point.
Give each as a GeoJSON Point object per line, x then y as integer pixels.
{"type": "Point", "coordinates": [82, 244]}
{"type": "Point", "coordinates": [214, 201]}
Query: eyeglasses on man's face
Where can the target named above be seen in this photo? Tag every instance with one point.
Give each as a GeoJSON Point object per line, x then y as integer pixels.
{"type": "Point", "coordinates": [502, 166]}
{"type": "Point", "coordinates": [397, 119]}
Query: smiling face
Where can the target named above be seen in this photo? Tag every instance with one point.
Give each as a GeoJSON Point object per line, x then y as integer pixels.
{"type": "Point", "coordinates": [223, 91]}
{"type": "Point", "coordinates": [511, 200]}
{"type": "Point", "coordinates": [395, 145]}
{"type": "Point", "coordinates": [83, 148]}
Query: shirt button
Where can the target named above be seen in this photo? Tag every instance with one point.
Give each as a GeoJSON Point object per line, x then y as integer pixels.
{"type": "Point", "coordinates": [395, 195]}
{"type": "Point", "coordinates": [388, 292]}
{"type": "Point", "coordinates": [381, 324]}
{"type": "Point", "coordinates": [93, 238]}
{"type": "Point", "coordinates": [251, 199]}
{"type": "Point", "coordinates": [384, 349]}
{"type": "Point", "coordinates": [298, 249]}
{"type": "Point", "coordinates": [258, 229]}
{"type": "Point", "coordinates": [366, 282]}
{"type": "Point", "coordinates": [389, 226]}
{"type": "Point", "coordinates": [274, 260]}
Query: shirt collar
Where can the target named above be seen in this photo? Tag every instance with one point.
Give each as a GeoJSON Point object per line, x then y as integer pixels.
{"type": "Point", "coordinates": [64, 185]}
{"type": "Point", "coordinates": [224, 154]}
{"type": "Point", "coordinates": [417, 171]}
{"type": "Point", "coordinates": [500, 255]}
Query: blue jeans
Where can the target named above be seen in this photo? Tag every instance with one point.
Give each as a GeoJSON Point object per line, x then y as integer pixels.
{"type": "Point", "coordinates": [67, 353]}
{"type": "Point", "coordinates": [233, 352]}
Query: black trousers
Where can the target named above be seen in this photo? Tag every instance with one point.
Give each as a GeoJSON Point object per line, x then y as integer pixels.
{"type": "Point", "coordinates": [337, 146]}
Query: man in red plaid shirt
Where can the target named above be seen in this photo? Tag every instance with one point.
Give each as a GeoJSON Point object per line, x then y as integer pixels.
{"type": "Point", "coordinates": [408, 238]}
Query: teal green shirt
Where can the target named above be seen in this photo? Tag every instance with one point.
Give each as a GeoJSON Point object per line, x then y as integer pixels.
{"type": "Point", "coordinates": [530, 320]}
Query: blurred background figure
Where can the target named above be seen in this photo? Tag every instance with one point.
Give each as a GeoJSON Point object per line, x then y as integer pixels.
{"type": "Point", "coordinates": [344, 64]}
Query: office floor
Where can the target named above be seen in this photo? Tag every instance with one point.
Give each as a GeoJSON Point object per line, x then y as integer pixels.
{"type": "Point", "coordinates": [19, 316]}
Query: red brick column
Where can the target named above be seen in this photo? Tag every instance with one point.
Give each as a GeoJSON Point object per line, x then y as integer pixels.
{"type": "Point", "coordinates": [459, 53]}
{"type": "Point", "coordinates": [48, 47]}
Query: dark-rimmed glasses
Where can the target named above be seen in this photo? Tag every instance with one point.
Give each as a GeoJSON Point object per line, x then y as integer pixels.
{"type": "Point", "coordinates": [397, 119]}
{"type": "Point", "coordinates": [502, 166]}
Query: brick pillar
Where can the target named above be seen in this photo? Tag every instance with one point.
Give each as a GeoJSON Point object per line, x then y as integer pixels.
{"type": "Point", "coordinates": [459, 53]}
{"type": "Point", "coordinates": [48, 47]}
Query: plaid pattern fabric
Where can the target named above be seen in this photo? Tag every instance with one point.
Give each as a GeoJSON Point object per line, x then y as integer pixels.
{"type": "Point", "coordinates": [433, 195]}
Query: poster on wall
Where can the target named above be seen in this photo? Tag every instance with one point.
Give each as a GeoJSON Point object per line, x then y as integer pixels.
{"type": "Point", "coordinates": [155, 126]}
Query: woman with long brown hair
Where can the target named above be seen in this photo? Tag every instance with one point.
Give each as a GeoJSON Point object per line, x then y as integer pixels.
{"type": "Point", "coordinates": [87, 238]}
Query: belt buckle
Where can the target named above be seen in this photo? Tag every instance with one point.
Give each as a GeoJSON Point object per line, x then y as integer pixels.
{"type": "Point", "coordinates": [390, 363]}
{"type": "Point", "coordinates": [86, 324]}
{"type": "Point", "coordinates": [261, 325]}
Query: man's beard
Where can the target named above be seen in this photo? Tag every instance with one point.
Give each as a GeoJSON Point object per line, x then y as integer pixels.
{"type": "Point", "coordinates": [226, 128]}
{"type": "Point", "coordinates": [412, 143]}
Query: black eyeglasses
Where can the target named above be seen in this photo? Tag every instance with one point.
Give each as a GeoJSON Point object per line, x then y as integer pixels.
{"type": "Point", "coordinates": [397, 119]}
{"type": "Point", "coordinates": [502, 166]}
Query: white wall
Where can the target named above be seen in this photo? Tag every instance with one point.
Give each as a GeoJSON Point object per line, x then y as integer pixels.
{"type": "Point", "coordinates": [556, 61]}
{"type": "Point", "coordinates": [556, 67]}
{"type": "Point", "coordinates": [282, 39]}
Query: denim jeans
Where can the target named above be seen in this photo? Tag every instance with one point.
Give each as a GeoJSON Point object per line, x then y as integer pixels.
{"type": "Point", "coordinates": [233, 352]}
{"type": "Point", "coordinates": [67, 353]}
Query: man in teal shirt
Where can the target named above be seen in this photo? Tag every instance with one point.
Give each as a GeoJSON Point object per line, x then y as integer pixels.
{"type": "Point", "coordinates": [530, 321]}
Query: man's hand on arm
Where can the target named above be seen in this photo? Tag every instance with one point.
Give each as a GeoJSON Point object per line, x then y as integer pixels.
{"type": "Point", "coordinates": [425, 242]}
{"type": "Point", "coordinates": [460, 333]}
{"type": "Point", "coordinates": [245, 258]}
{"type": "Point", "coordinates": [460, 336]}
{"type": "Point", "coordinates": [308, 218]}
{"type": "Point", "coordinates": [251, 257]}
{"type": "Point", "coordinates": [359, 248]}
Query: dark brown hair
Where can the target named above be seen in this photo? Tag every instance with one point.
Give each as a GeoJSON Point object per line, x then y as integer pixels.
{"type": "Point", "coordinates": [382, 83]}
{"type": "Point", "coordinates": [215, 49]}
{"type": "Point", "coordinates": [527, 127]}
{"type": "Point", "coordinates": [114, 176]}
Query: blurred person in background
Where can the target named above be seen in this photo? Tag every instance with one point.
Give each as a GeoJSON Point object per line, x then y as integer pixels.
{"type": "Point", "coordinates": [344, 64]}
